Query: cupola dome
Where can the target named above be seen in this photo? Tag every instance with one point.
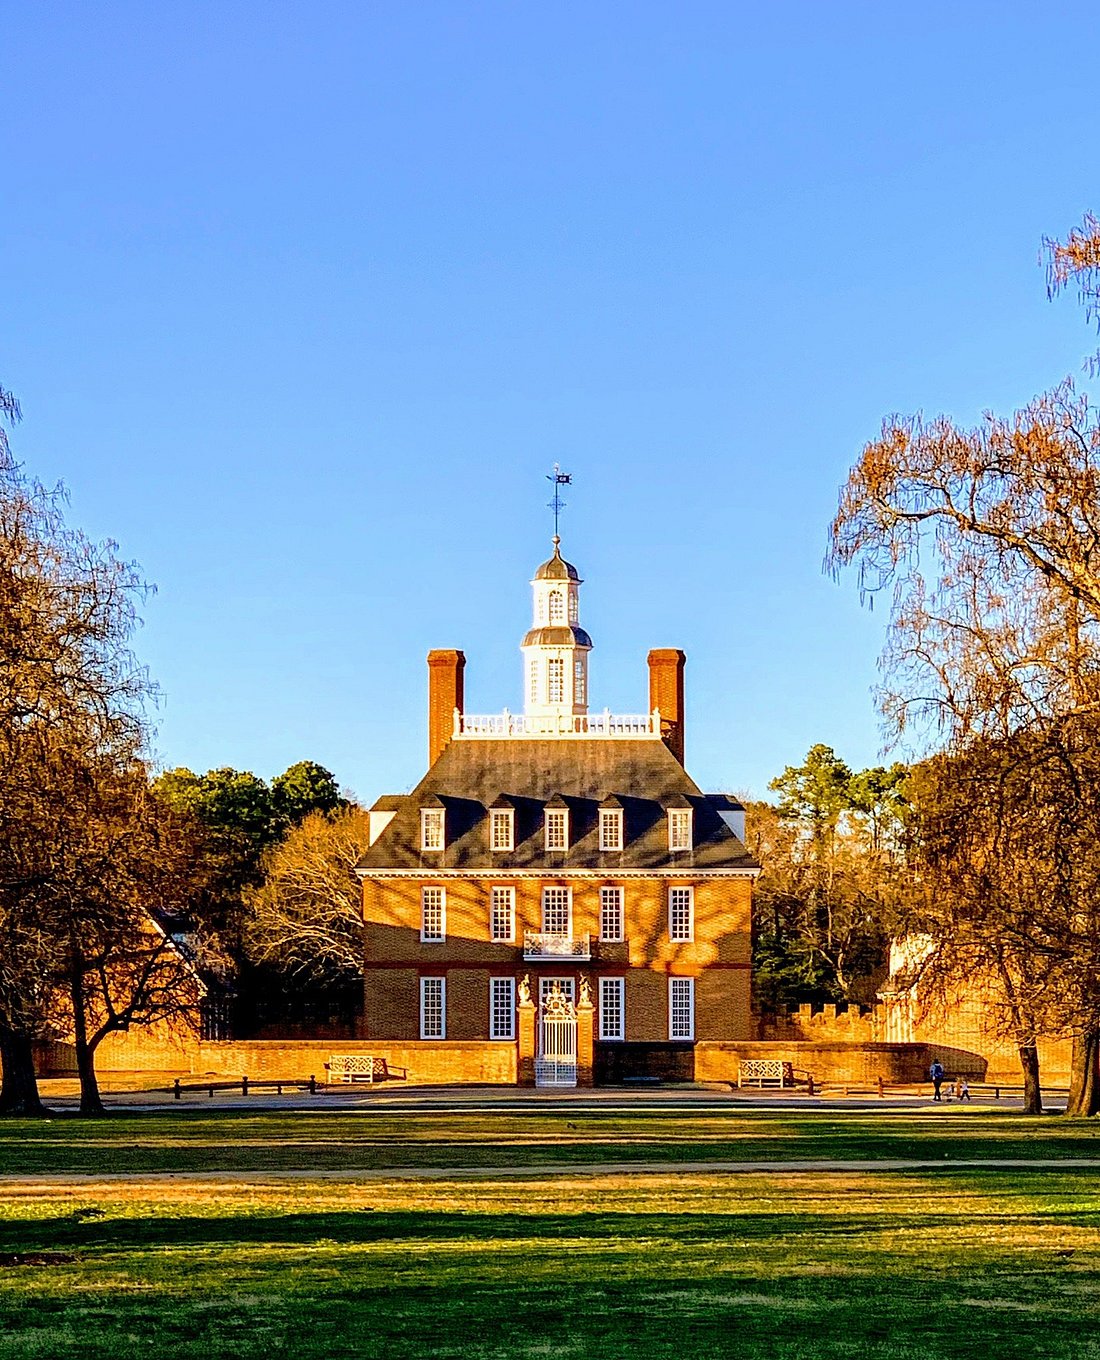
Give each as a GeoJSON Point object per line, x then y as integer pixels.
{"type": "Point", "coordinates": [557, 568]}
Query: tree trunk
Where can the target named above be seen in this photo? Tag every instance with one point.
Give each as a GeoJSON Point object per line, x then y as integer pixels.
{"type": "Point", "coordinates": [1033, 1094]}
{"type": "Point", "coordinates": [1084, 1082]}
{"type": "Point", "coordinates": [18, 1082]}
{"type": "Point", "coordinates": [90, 1101]}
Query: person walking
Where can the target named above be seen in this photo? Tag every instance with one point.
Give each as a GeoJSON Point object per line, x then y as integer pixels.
{"type": "Point", "coordinates": [937, 1074]}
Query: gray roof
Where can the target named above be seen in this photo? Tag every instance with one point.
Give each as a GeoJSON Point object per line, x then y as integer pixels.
{"type": "Point", "coordinates": [471, 776]}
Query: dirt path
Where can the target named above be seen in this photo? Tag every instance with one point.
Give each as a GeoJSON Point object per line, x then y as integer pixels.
{"type": "Point", "coordinates": [444, 1173]}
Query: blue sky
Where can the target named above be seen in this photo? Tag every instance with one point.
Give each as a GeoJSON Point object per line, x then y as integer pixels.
{"type": "Point", "coordinates": [302, 302]}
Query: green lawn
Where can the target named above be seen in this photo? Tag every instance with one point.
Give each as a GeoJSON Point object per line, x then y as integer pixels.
{"type": "Point", "coordinates": [937, 1263]}
{"type": "Point", "coordinates": [194, 1140]}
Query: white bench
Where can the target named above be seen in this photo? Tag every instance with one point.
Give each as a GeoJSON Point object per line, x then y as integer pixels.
{"type": "Point", "coordinates": [348, 1067]}
{"type": "Point", "coordinates": [765, 1072]}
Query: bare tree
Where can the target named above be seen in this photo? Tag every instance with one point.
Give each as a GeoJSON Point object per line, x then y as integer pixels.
{"type": "Point", "coordinates": [123, 865]}
{"type": "Point", "coordinates": [71, 692]}
{"type": "Point", "coordinates": [307, 917]}
{"type": "Point", "coordinates": [987, 543]}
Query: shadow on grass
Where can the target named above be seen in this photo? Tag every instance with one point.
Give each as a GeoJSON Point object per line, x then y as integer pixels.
{"type": "Point", "coordinates": [74, 1231]}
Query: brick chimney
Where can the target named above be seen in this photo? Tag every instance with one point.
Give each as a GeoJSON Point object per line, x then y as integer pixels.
{"type": "Point", "coordinates": [666, 692]}
{"type": "Point", "coordinates": [445, 694]}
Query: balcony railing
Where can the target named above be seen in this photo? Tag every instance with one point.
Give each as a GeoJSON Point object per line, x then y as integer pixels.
{"type": "Point", "coordinates": [606, 724]}
{"type": "Point", "coordinates": [541, 945]}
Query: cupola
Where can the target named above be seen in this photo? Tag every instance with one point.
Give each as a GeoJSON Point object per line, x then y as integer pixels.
{"type": "Point", "coordinates": [555, 649]}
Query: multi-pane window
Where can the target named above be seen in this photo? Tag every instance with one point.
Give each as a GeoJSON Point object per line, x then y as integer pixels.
{"type": "Point", "coordinates": [433, 1008]}
{"type": "Point", "coordinates": [679, 828]}
{"type": "Point", "coordinates": [555, 680]}
{"type": "Point", "coordinates": [502, 914]}
{"type": "Point", "coordinates": [681, 1008]}
{"type": "Point", "coordinates": [433, 914]}
{"type": "Point", "coordinates": [501, 829]}
{"type": "Point", "coordinates": [533, 682]}
{"type": "Point", "coordinates": [611, 913]}
{"type": "Point", "coordinates": [431, 828]}
{"type": "Point", "coordinates": [681, 913]}
{"type": "Point", "coordinates": [578, 681]}
{"type": "Point", "coordinates": [573, 612]}
{"type": "Point", "coordinates": [611, 829]}
{"type": "Point", "coordinates": [612, 1009]}
{"type": "Point", "coordinates": [555, 911]}
{"type": "Point", "coordinates": [557, 607]}
{"type": "Point", "coordinates": [557, 829]}
{"type": "Point", "coordinates": [502, 1008]}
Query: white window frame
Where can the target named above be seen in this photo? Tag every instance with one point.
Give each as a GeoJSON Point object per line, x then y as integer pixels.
{"type": "Point", "coordinates": [579, 678]}
{"type": "Point", "coordinates": [613, 1006]}
{"type": "Point", "coordinates": [612, 903]}
{"type": "Point", "coordinates": [502, 1002]}
{"type": "Point", "coordinates": [558, 888]}
{"type": "Point", "coordinates": [556, 818]}
{"type": "Point", "coordinates": [533, 682]}
{"type": "Point", "coordinates": [502, 898]}
{"type": "Point", "coordinates": [427, 1032]}
{"type": "Point", "coordinates": [555, 680]}
{"type": "Point", "coordinates": [680, 829]}
{"type": "Point", "coordinates": [680, 988]}
{"type": "Point", "coordinates": [556, 608]}
{"type": "Point", "coordinates": [502, 818]}
{"type": "Point", "coordinates": [681, 927]}
{"type": "Point", "coordinates": [611, 828]}
{"type": "Point", "coordinates": [432, 829]}
{"type": "Point", "coordinates": [427, 936]}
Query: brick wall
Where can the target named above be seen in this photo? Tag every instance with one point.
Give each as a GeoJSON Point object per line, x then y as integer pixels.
{"type": "Point", "coordinates": [858, 1063]}
{"type": "Point", "coordinates": [718, 957]}
{"type": "Point", "coordinates": [966, 1025]}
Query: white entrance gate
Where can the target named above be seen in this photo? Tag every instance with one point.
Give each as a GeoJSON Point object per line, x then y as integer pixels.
{"type": "Point", "coordinates": [556, 1060]}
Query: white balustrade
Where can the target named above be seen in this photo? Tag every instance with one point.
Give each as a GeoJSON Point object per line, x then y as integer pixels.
{"type": "Point", "coordinates": [486, 726]}
{"type": "Point", "coordinates": [540, 945]}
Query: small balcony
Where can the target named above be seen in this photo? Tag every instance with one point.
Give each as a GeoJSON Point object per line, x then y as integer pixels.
{"type": "Point", "coordinates": [538, 946]}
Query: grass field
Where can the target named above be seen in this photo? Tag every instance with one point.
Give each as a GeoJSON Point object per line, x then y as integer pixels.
{"type": "Point", "coordinates": [940, 1262]}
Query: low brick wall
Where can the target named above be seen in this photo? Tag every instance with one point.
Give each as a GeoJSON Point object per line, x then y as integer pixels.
{"type": "Point", "coordinates": [450, 1063]}
{"type": "Point", "coordinates": [859, 1063]}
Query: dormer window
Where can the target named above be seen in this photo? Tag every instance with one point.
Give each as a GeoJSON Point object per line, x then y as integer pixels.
{"type": "Point", "coordinates": [611, 828]}
{"type": "Point", "coordinates": [502, 829]}
{"type": "Point", "coordinates": [431, 828]}
{"type": "Point", "coordinates": [557, 828]}
{"type": "Point", "coordinates": [679, 828]}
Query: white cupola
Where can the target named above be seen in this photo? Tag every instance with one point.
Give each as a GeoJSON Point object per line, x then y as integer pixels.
{"type": "Point", "coordinates": [555, 649]}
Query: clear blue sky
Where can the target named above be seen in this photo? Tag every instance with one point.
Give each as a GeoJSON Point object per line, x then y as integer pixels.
{"type": "Point", "coordinates": [302, 301]}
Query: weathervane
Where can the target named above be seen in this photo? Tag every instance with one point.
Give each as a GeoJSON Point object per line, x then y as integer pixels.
{"type": "Point", "coordinates": [559, 479]}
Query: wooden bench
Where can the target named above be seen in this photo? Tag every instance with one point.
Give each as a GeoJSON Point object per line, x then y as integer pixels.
{"type": "Point", "coordinates": [352, 1067]}
{"type": "Point", "coordinates": [763, 1072]}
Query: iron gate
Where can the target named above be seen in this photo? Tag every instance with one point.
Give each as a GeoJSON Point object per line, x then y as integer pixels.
{"type": "Point", "coordinates": [556, 1061]}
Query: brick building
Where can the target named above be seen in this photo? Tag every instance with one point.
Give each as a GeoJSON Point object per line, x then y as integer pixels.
{"type": "Point", "coordinates": [556, 901]}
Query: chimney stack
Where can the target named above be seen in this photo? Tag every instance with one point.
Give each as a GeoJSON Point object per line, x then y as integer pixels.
{"type": "Point", "coordinates": [666, 692]}
{"type": "Point", "coordinates": [445, 694]}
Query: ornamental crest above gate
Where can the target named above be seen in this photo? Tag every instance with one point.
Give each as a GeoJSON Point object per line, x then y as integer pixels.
{"type": "Point", "coordinates": [557, 1005]}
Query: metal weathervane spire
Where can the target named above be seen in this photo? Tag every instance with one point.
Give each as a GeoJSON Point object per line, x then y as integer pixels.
{"type": "Point", "coordinates": [558, 479]}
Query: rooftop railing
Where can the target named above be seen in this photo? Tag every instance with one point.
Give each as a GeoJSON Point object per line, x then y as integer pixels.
{"type": "Point", "coordinates": [484, 726]}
